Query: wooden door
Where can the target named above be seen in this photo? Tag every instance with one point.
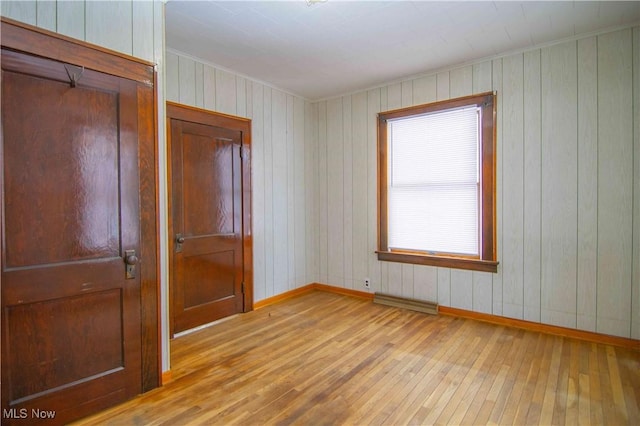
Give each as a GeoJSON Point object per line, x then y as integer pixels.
{"type": "Point", "coordinates": [207, 218]}
{"type": "Point", "coordinates": [71, 239]}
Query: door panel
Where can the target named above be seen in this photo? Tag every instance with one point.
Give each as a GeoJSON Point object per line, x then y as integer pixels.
{"type": "Point", "coordinates": [71, 319]}
{"type": "Point", "coordinates": [207, 213]}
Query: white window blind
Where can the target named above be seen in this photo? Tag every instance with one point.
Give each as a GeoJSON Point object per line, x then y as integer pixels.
{"type": "Point", "coordinates": [433, 188]}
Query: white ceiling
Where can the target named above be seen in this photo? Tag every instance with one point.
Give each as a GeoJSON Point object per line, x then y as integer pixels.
{"type": "Point", "coordinates": [337, 47]}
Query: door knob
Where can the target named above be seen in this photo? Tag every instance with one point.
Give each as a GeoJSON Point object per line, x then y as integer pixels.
{"type": "Point", "coordinates": [179, 241]}
{"type": "Point", "coordinates": [130, 259]}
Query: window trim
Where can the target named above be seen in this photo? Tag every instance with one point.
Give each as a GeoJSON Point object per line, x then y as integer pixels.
{"type": "Point", "coordinates": [487, 260]}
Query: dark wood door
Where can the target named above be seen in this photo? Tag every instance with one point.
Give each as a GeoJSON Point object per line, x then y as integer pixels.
{"type": "Point", "coordinates": [71, 326]}
{"type": "Point", "coordinates": [207, 223]}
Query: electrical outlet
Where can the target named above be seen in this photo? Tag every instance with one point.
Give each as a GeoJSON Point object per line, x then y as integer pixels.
{"type": "Point", "coordinates": [367, 283]}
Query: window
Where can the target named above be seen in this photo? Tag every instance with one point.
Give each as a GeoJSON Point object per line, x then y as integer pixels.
{"type": "Point", "coordinates": [436, 184]}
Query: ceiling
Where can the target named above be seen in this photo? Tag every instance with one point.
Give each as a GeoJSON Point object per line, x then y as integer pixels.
{"type": "Point", "coordinates": [336, 47]}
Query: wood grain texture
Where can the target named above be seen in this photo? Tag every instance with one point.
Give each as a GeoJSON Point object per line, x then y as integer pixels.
{"type": "Point", "coordinates": [99, 25]}
{"type": "Point", "coordinates": [532, 185]}
{"type": "Point", "coordinates": [513, 184]}
{"type": "Point", "coordinates": [306, 361]}
{"type": "Point", "coordinates": [559, 185]}
{"type": "Point", "coordinates": [587, 183]}
{"type": "Point", "coordinates": [615, 182]}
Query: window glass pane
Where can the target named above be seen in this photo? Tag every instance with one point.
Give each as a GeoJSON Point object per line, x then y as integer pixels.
{"type": "Point", "coordinates": [439, 218]}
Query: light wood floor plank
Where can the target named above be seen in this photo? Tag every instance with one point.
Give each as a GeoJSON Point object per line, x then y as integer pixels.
{"type": "Point", "coordinates": [323, 358]}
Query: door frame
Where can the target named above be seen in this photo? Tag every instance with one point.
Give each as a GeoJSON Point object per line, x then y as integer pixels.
{"type": "Point", "coordinates": [39, 42]}
{"type": "Point", "coordinates": [243, 125]}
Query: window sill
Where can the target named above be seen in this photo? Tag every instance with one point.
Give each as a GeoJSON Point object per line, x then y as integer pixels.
{"type": "Point", "coordinates": [440, 261]}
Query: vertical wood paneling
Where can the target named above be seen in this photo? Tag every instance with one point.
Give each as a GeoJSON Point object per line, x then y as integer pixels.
{"type": "Point", "coordinates": [289, 155]}
{"type": "Point", "coordinates": [408, 285]}
{"type": "Point", "coordinates": [461, 82]}
{"type": "Point", "coordinates": [187, 81]}
{"type": "Point", "coordinates": [587, 183]}
{"type": "Point", "coordinates": [461, 289]}
{"type": "Point", "coordinates": [199, 85]}
{"type": "Point", "coordinates": [532, 185]}
{"type": "Point", "coordinates": [615, 182]}
{"type": "Point", "coordinates": [300, 201]}
{"type": "Point", "coordinates": [635, 291]}
{"type": "Point", "coordinates": [373, 107]}
{"type": "Point", "coordinates": [258, 170]}
{"type": "Point", "coordinates": [442, 86]}
{"type": "Point", "coordinates": [424, 90]}
{"type": "Point", "coordinates": [513, 184]}
{"type": "Point", "coordinates": [71, 19]}
{"type": "Point", "coordinates": [270, 247]}
{"type": "Point", "coordinates": [406, 98]}
{"type": "Point", "coordinates": [482, 77]}
{"type": "Point", "coordinates": [142, 17]}
{"type": "Point", "coordinates": [172, 68]}
{"type": "Point", "coordinates": [394, 96]}
{"type": "Point", "coordinates": [279, 195]}
{"type": "Point", "coordinates": [226, 95]}
{"type": "Point", "coordinates": [347, 199]}
{"type": "Point", "coordinates": [425, 283]}
{"type": "Point", "coordinates": [209, 87]}
{"type": "Point", "coordinates": [394, 271]}
{"type": "Point", "coordinates": [241, 96]}
{"type": "Point", "coordinates": [444, 286]}
{"type": "Point", "coordinates": [311, 191]}
{"type": "Point", "coordinates": [322, 192]}
{"type": "Point", "coordinates": [559, 184]}
{"type": "Point", "coordinates": [23, 11]}
{"type": "Point", "coordinates": [360, 188]}
{"type": "Point", "coordinates": [482, 282]}
{"type": "Point", "coordinates": [46, 18]}
{"type": "Point", "coordinates": [496, 76]}
{"type": "Point", "coordinates": [99, 29]}
{"type": "Point", "coordinates": [335, 192]}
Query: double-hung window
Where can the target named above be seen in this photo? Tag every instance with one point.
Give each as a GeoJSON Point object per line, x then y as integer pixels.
{"type": "Point", "coordinates": [436, 184]}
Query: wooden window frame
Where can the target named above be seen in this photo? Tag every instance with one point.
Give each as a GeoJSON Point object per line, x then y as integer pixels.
{"type": "Point", "coordinates": [487, 260]}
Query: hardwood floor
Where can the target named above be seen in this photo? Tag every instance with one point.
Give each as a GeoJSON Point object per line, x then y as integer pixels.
{"type": "Point", "coordinates": [323, 358]}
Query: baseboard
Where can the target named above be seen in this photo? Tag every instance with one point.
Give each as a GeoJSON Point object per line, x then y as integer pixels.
{"type": "Point", "coordinates": [340, 290]}
{"type": "Point", "coordinates": [308, 288]}
{"type": "Point", "coordinates": [588, 336]}
{"type": "Point", "coordinates": [166, 377]}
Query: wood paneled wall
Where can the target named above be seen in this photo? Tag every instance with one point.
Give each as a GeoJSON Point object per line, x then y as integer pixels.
{"type": "Point", "coordinates": [128, 26]}
{"type": "Point", "coordinates": [568, 187]}
{"type": "Point", "coordinates": [283, 166]}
